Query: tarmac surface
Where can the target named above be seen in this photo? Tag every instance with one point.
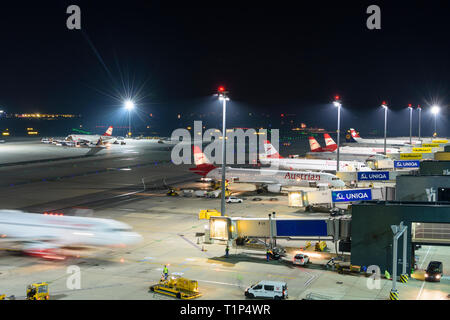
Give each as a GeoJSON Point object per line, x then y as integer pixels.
{"type": "Point", "coordinates": [129, 183]}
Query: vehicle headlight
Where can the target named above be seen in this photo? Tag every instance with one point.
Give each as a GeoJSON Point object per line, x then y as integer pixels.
{"type": "Point", "coordinates": [426, 274]}
{"type": "Point", "coordinates": [438, 276]}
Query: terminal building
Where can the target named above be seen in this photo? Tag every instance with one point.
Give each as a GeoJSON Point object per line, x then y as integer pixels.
{"type": "Point", "coordinates": [422, 204]}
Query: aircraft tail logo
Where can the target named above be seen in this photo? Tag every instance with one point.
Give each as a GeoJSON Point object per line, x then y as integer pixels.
{"type": "Point", "coordinates": [109, 131]}
{"type": "Point", "coordinates": [203, 164]}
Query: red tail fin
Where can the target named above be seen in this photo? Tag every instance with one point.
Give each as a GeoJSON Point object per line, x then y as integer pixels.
{"type": "Point", "coordinates": [330, 144]}
{"type": "Point", "coordinates": [270, 151]}
{"type": "Point", "coordinates": [109, 131]}
{"type": "Point", "coordinates": [203, 165]}
{"type": "Point", "coordinates": [314, 145]}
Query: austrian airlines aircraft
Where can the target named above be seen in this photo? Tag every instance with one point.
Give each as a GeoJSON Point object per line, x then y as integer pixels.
{"type": "Point", "coordinates": [43, 234]}
{"type": "Point", "coordinates": [271, 179]}
{"type": "Point", "coordinates": [271, 156]}
{"type": "Point", "coordinates": [396, 142]}
{"type": "Point", "coordinates": [92, 139]}
{"type": "Point", "coordinates": [345, 153]}
{"type": "Point", "coordinates": [348, 149]}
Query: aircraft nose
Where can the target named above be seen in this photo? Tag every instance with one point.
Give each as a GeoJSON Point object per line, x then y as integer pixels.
{"type": "Point", "coordinates": [340, 183]}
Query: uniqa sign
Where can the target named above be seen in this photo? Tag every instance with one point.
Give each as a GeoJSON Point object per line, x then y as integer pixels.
{"type": "Point", "coordinates": [351, 195]}
{"type": "Point", "coordinates": [371, 176]}
{"type": "Point", "coordinates": [406, 163]}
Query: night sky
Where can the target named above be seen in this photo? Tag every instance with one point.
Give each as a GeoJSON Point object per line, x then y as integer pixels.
{"type": "Point", "coordinates": [273, 58]}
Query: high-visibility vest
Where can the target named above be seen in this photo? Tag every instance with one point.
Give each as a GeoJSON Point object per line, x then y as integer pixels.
{"type": "Point", "coordinates": [387, 275]}
{"type": "Point", "coordinates": [166, 270]}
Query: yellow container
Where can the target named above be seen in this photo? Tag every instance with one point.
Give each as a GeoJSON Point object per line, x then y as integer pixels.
{"type": "Point", "coordinates": [410, 156]}
{"type": "Point", "coordinates": [440, 141]}
{"type": "Point", "coordinates": [422, 150]}
{"type": "Point", "coordinates": [430, 145]}
{"type": "Point", "coordinates": [206, 214]}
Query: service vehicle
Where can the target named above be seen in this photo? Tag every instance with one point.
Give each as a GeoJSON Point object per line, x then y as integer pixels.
{"type": "Point", "coordinates": [177, 287]}
{"type": "Point", "coordinates": [276, 253]}
{"type": "Point", "coordinates": [38, 291]}
{"type": "Point", "coordinates": [172, 193]}
{"type": "Point", "coordinates": [200, 193]}
{"type": "Point", "coordinates": [233, 200]}
{"type": "Point", "coordinates": [268, 290]}
{"type": "Point", "coordinates": [300, 259]}
{"type": "Point", "coordinates": [434, 271]}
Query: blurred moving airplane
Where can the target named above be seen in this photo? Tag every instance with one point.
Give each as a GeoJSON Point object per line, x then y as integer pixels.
{"type": "Point", "coordinates": [42, 235]}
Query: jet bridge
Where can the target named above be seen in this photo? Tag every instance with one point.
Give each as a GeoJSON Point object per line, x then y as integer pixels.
{"type": "Point", "coordinates": [231, 228]}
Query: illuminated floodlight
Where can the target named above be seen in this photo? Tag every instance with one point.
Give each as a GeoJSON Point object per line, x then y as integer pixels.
{"type": "Point", "coordinates": [129, 105]}
{"type": "Point", "coordinates": [384, 104]}
{"type": "Point", "coordinates": [435, 109]}
{"type": "Point", "coordinates": [337, 104]}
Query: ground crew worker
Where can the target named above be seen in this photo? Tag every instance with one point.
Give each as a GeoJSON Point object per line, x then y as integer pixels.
{"type": "Point", "coordinates": [227, 250]}
{"type": "Point", "coordinates": [387, 275]}
{"type": "Point", "coordinates": [165, 272]}
{"type": "Point", "coordinates": [268, 254]}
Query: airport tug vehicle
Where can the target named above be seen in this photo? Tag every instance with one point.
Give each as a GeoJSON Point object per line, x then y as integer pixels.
{"type": "Point", "coordinates": [38, 291]}
{"type": "Point", "coordinates": [177, 287]}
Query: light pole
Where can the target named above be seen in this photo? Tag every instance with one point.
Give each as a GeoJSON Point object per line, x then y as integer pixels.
{"type": "Point", "coordinates": [129, 105]}
{"type": "Point", "coordinates": [435, 110]}
{"type": "Point", "coordinates": [384, 105]}
{"type": "Point", "coordinates": [337, 103]}
{"type": "Point", "coordinates": [223, 96]}
{"type": "Point", "coordinates": [410, 123]}
{"type": "Point", "coordinates": [420, 113]}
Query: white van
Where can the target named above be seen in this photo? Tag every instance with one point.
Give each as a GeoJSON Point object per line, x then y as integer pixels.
{"type": "Point", "coordinates": [268, 289]}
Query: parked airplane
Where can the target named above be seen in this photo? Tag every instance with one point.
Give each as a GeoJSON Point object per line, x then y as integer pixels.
{"type": "Point", "coordinates": [93, 139]}
{"type": "Point", "coordinates": [271, 156]}
{"type": "Point", "coordinates": [345, 153]}
{"type": "Point", "coordinates": [396, 142]}
{"type": "Point", "coordinates": [271, 179]}
{"type": "Point", "coordinates": [43, 234]}
{"type": "Point", "coordinates": [350, 149]}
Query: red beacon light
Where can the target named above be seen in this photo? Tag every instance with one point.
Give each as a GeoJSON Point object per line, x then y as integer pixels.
{"type": "Point", "coordinates": [336, 98]}
{"type": "Point", "coordinates": [221, 89]}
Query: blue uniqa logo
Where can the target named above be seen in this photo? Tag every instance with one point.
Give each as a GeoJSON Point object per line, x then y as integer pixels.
{"type": "Point", "coordinates": [351, 195]}
{"type": "Point", "coordinates": [406, 163]}
{"type": "Point", "coordinates": [375, 175]}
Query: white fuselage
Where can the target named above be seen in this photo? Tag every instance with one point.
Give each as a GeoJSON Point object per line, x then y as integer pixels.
{"type": "Point", "coordinates": [392, 142]}
{"type": "Point", "coordinates": [315, 164]}
{"type": "Point", "coordinates": [367, 150]}
{"type": "Point", "coordinates": [346, 156]}
{"type": "Point", "coordinates": [55, 231]}
{"type": "Point", "coordinates": [276, 177]}
{"type": "Point", "coordinates": [90, 138]}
